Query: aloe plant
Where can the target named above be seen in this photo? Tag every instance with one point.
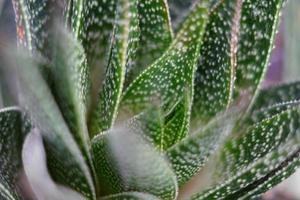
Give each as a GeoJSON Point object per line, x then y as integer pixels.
{"type": "Point", "coordinates": [118, 101]}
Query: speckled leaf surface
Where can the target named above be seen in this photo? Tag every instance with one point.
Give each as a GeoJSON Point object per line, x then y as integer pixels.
{"type": "Point", "coordinates": [130, 196]}
{"type": "Point", "coordinates": [258, 27]}
{"type": "Point", "coordinates": [170, 78]}
{"type": "Point", "coordinates": [266, 150]}
{"type": "Point", "coordinates": [122, 51]}
{"type": "Point", "coordinates": [10, 151]}
{"type": "Point", "coordinates": [239, 63]}
{"type": "Point", "coordinates": [63, 153]}
{"type": "Point", "coordinates": [156, 35]}
{"type": "Point", "coordinates": [124, 162]}
{"type": "Point", "coordinates": [33, 20]}
{"type": "Point", "coordinates": [215, 74]}
{"type": "Point", "coordinates": [66, 69]}
{"type": "Point", "coordinates": [189, 155]}
{"type": "Point", "coordinates": [275, 95]}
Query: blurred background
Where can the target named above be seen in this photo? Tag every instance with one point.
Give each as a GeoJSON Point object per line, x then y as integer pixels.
{"type": "Point", "coordinates": [284, 67]}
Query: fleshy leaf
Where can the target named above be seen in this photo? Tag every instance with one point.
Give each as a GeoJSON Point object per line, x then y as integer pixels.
{"type": "Point", "coordinates": [33, 20]}
{"type": "Point", "coordinates": [258, 27]}
{"type": "Point", "coordinates": [62, 151]}
{"type": "Point", "coordinates": [122, 51]}
{"type": "Point", "coordinates": [189, 155]}
{"type": "Point", "coordinates": [266, 150]}
{"type": "Point", "coordinates": [171, 77]}
{"type": "Point", "coordinates": [10, 151]}
{"type": "Point", "coordinates": [130, 196]}
{"type": "Point", "coordinates": [278, 94]}
{"type": "Point", "coordinates": [68, 79]}
{"type": "Point", "coordinates": [244, 32]}
{"type": "Point", "coordinates": [216, 68]}
{"type": "Point", "coordinates": [156, 35]}
{"type": "Point", "coordinates": [124, 162]}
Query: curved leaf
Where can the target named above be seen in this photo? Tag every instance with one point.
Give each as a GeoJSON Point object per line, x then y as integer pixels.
{"type": "Point", "coordinates": [266, 150]}
{"type": "Point", "coordinates": [63, 153]}
{"type": "Point", "coordinates": [275, 95]}
{"type": "Point", "coordinates": [189, 155]}
{"type": "Point", "coordinates": [130, 196]}
{"type": "Point", "coordinates": [258, 27]}
{"type": "Point", "coordinates": [217, 66]}
{"type": "Point", "coordinates": [125, 163]}
{"type": "Point", "coordinates": [171, 77]}
{"type": "Point", "coordinates": [122, 51]}
{"type": "Point", "coordinates": [156, 35]}
{"type": "Point", "coordinates": [68, 78]}
{"type": "Point", "coordinates": [239, 63]}
{"type": "Point", "coordinates": [10, 151]}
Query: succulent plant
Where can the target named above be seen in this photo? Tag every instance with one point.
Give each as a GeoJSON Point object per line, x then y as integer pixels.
{"type": "Point", "coordinates": [115, 101]}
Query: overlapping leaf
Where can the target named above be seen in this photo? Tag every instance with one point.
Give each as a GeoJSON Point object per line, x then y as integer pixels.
{"type": "Point", "coordinates": [156, 35]}
{"type": "Point", "coordinates": [10, 151]}
{"type": "Point", "coordinates": [33, 19]}
{"type": "Point", "coordinates": [171, 77]}
{"type": "Point", "coordinates": [266, 150]}
{"type": "Point", "coordinates": [124, 162]}
{"type": "Point", "coordinates": [244, 32]}
{"type": "Point", "coordinates": [122, 50]}
{"type": "Point", "coordinates": [63, 153]}
{"type": "Point", "coordinates": [67, 77]}
{"type": "Point", "coordinates": [131, 196]}
{"type": "Point", "coordinates": [189, 155]}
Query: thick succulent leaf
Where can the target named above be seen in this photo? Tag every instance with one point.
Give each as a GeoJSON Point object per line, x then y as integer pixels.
{"type": "Point", "coordinates": [156, 35]}
{"type": "Point", "coordinates": [162, 129]}
{"type": "Point", "coordinates": [33, 19]}
{"type": "Point", "coordinates": [216, 68]}
{"type": "Point", "coordinates": [63, 153]}
{"type": "Point", "coordinates": [35, 167]}
{"type": "Point", "coordinates": [122, 51]}
{"type": "Point", "coordinates": [258, 177]}
{"type": "Point", "coordinates": [275, 95]}
{"type": "Point", "coordinates": [68, 79]}
{"type": "Point", "coordinates": [92, 23]}
{"type": "Point", "coordinates": [239, 63]}
{"type": "Point", "coordinates": [130, 196]}
{"type": "Point", "coordinates": [124, 162]}
{"type": "Point", "coordinates": [10, 151]}
{"type": "Point", "coordinates": [266, 150]}
{"type": "Point", "coordinates": [258, 28]}
{"type": "Point", "coordinates": [189, 155]}
{"type": "Point", "coordinates": [171, 77]}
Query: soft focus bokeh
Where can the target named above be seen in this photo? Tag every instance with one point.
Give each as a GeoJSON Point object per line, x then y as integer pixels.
{"type": "Point", "coordinates": [284, 67]}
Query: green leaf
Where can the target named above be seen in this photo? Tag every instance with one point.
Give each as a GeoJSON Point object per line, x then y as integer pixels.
{"type": "Point", "coordinates": [63, 153]}
{"type": "Point", "coordinates": [124, 162]}
{"type": "Point", "coordinates": [122, 51]}
{"type": "Point", "coordinates": [266, 150]}
{"type": "Point", "coordinates": [170, 78]}
{"type": "Point", "coordinates": [217, 66]}
{"type": "Point", "coordinates": [244, 32]}
{"type": "Point", "coordinates": [130, 196]}
{"type": "Point", "coordinates": [33, 20]}
{"type": "Point", "coordinates": [189, 155]}
{"type": "Point", "coordinates": [258, 27]}
{"type": "Point", "coordinates": [162, 129]}
{"type": "Point", "coordinates": [68, 79]}
{"type": "Point", "coordinates": [275, 95]}
{"type": "Point", "coordinates": [156, 35]}
{"type": "Point", "coordinates": [92, 23]}
{"type": "Point", "coordinates": [10, 151]}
